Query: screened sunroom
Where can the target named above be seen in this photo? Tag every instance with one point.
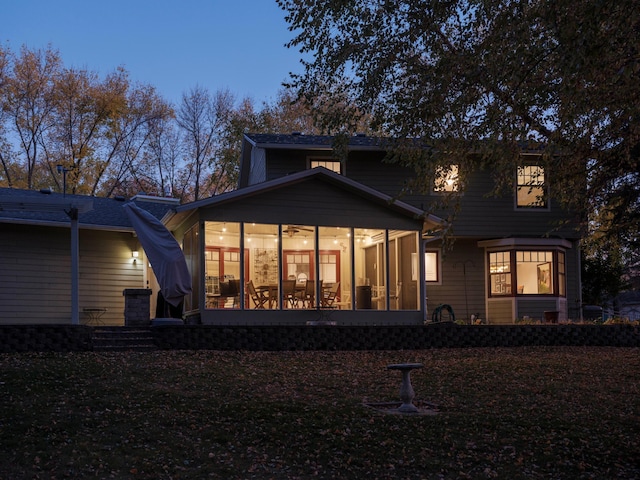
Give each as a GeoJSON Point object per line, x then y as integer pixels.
{"type": "Point", "coordinates": [354, 260]}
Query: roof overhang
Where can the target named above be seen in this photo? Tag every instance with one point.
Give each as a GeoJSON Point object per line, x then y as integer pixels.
{"type": "Point", "coordinates": [315, 142]}
{"type": "Point", "coordinates": [430, 222]}
{"type": "Point", "coordinates": [65, 224]}
{"type": "Point", "coordinates": [515, 242]}
{"type": "Point", "coordinates": [46, 204]}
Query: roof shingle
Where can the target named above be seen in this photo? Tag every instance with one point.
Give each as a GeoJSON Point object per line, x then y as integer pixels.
{"type": "Point", "coordinates": [107, 213]}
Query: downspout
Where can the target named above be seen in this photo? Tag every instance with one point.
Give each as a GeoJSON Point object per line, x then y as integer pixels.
{"type": "Point", "coordinates": [243, 280]}
{"type": "Point", "coordinates": [75, 255]}
{"type": "Point", "coordinates": [579, 296]}
{"type": "Point", "coordinates": [423, 279]}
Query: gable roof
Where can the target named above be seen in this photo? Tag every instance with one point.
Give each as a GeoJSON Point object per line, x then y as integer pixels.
{"type": "Point", "coordinates": [354, 142]}
{"type": "Point", "coordinates": [106, 214]}
{"type": "Point", "coordinates": [294, 141]}
{"type": "Point", "coordinates": [359, 142]}
{"type": "Point", "coordinates": [313, 142]}
{"type": "Point", "coordinates": [324, 175]}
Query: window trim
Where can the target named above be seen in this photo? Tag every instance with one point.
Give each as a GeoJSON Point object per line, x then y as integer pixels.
{"type": "Point", "coordinates": [438, 254]}
{"type": "Point", "coordinates": [508, 275]}
{"type": "Point", "coordinates": [457, 190]}
{"type": "Point", "coordinates": [514, 244]}
{"type": "Point", "coordinates": [558, 276]}
{"type": "Point", "coordinates": [545, 187]}
{"type": "Point", "coordinates": [311, 160]}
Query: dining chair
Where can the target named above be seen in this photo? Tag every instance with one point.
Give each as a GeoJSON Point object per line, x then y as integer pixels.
{"type": "Point", "coordinates": [259, 298]}
{"type": "Point", "coordinates": [329, 295]}
{"type": "Point", "coordinates": [308, 296]}
{"type": "Point", "coordinates": [289, 293]}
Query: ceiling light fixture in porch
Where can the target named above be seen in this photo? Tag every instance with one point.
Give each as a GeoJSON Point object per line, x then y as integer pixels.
{"type": "Point", "coordinates": [291, 230]}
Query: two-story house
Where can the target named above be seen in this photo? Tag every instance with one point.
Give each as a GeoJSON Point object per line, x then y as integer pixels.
{"type": "Point", "coordinates": [307, 237]}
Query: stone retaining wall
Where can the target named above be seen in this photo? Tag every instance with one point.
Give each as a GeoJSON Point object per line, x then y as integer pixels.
{"type": "Point", "coordinates": [445, 335]}
{"type": "Point", "coordinates": [65, 338]}
{"type": "Point", "coordinates": [45, 338]}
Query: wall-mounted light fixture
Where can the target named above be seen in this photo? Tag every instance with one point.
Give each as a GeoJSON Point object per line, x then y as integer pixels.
{"type": "Point", "coordinates": [135, 254]}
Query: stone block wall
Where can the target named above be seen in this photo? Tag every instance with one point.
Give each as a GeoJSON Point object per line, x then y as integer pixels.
{"type": "Point", "coordinates": [67, 338]}
{"type": "Point", "coordinates": [45, 338]}
{"type": "Point", "coordinates": [445, 335]}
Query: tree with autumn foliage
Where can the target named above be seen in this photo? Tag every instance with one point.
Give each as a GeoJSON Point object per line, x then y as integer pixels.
{"type": "Point", "coordinates": [490, 76]}
{"type": "Point", "coordinates": [51, 115]}
{"type": "Point", "coordinates": [118, 138]}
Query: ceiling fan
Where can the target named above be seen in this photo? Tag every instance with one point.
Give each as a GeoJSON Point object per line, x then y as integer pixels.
{"type": "Point", "coordinates": [291, 230]}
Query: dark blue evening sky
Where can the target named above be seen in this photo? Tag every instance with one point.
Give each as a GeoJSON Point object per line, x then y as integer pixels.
{"type": "Point", "coordinates": [173, 45]}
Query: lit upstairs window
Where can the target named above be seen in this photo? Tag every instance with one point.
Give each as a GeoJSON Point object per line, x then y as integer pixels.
{"type": "Point", "coordinates": [328, 164]}
{"type": "Point", "coordinates": [446, 179]}
{"type": "Point", "coordinates": [531, 187]}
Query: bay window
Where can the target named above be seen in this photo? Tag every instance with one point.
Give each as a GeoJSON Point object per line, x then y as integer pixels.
{"type": "Point", "coordinates": [527, 272]}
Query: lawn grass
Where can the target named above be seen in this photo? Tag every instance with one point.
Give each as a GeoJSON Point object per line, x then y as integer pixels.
{"type": "Point", "coordinates": [513, 413]}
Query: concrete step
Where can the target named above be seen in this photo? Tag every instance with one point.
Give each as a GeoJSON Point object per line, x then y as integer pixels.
{"type": "Point", "coordinates": [122, 339]}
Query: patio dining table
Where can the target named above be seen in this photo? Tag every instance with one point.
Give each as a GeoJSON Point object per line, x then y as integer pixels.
{"type": "Point", "coordinates": [272, 290]}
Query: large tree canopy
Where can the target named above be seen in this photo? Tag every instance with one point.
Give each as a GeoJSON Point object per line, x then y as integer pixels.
{"type": "Point", "coordinates": [488, 75]}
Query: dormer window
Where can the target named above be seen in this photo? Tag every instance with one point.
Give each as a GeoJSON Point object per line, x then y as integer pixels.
{"type": "Point", "coordinates": [332, 165]}
{"type": "Point", "coordinates": [446, 179]}
{"type": "Point", "coordinates": [531, 187]}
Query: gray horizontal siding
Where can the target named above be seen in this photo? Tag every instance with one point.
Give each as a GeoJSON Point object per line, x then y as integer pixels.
{"type": "Point", "coordinates": [311, 203]}
{"type": "Point", "coordinates": [462, 283]}
{"type": "Point", "coordinates": [535, 308]}
{"type": "Point", "coordinates": [496, 216]}
{"type": "Point", "coordinates": [35, 285]}
{"type": "Point", "coordinates": [369, 169]}
{"type": "Point", "coordinates": [480, 214]}
{"type": "Point", "coordinates": [500, 311]}
{"type": "Point", "coordinates": [280, 163]}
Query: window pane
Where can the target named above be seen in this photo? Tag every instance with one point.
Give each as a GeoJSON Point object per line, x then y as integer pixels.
{"type": "Point", "coordinates": [261, 243]}
{"type": "Point", "coordinates": [298, 249]}
{"type": "Point", "coordinates": [531, 187]}
{"type": "Point", "coordinates": [335, 266]}
{"type": "Point", "coordinates": [446, 179]}
{"type": "Point", "coordinates": [370, 260]}
{"type": "Point", "coordinates": [328, 164]}
{"type": "Point", "coordinates": [500, 273]}
{"type": "Point", "coordinates": [431, 266]}
{"type": "Point", "coordinates": [403, 280]}
{"type": "Point", "coordinates": [535, 273]}
{"type": "Point", "coordinates": [222, 265]}
{"type": "Point", "coordinates": [562, 277]}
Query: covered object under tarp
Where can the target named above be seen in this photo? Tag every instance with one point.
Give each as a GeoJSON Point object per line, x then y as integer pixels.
{"type": "Point", "coordinates": [164, 254]}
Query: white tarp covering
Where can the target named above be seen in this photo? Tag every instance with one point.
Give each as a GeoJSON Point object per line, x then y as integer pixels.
{"type": "Point", "coordinates": [164, 254]}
